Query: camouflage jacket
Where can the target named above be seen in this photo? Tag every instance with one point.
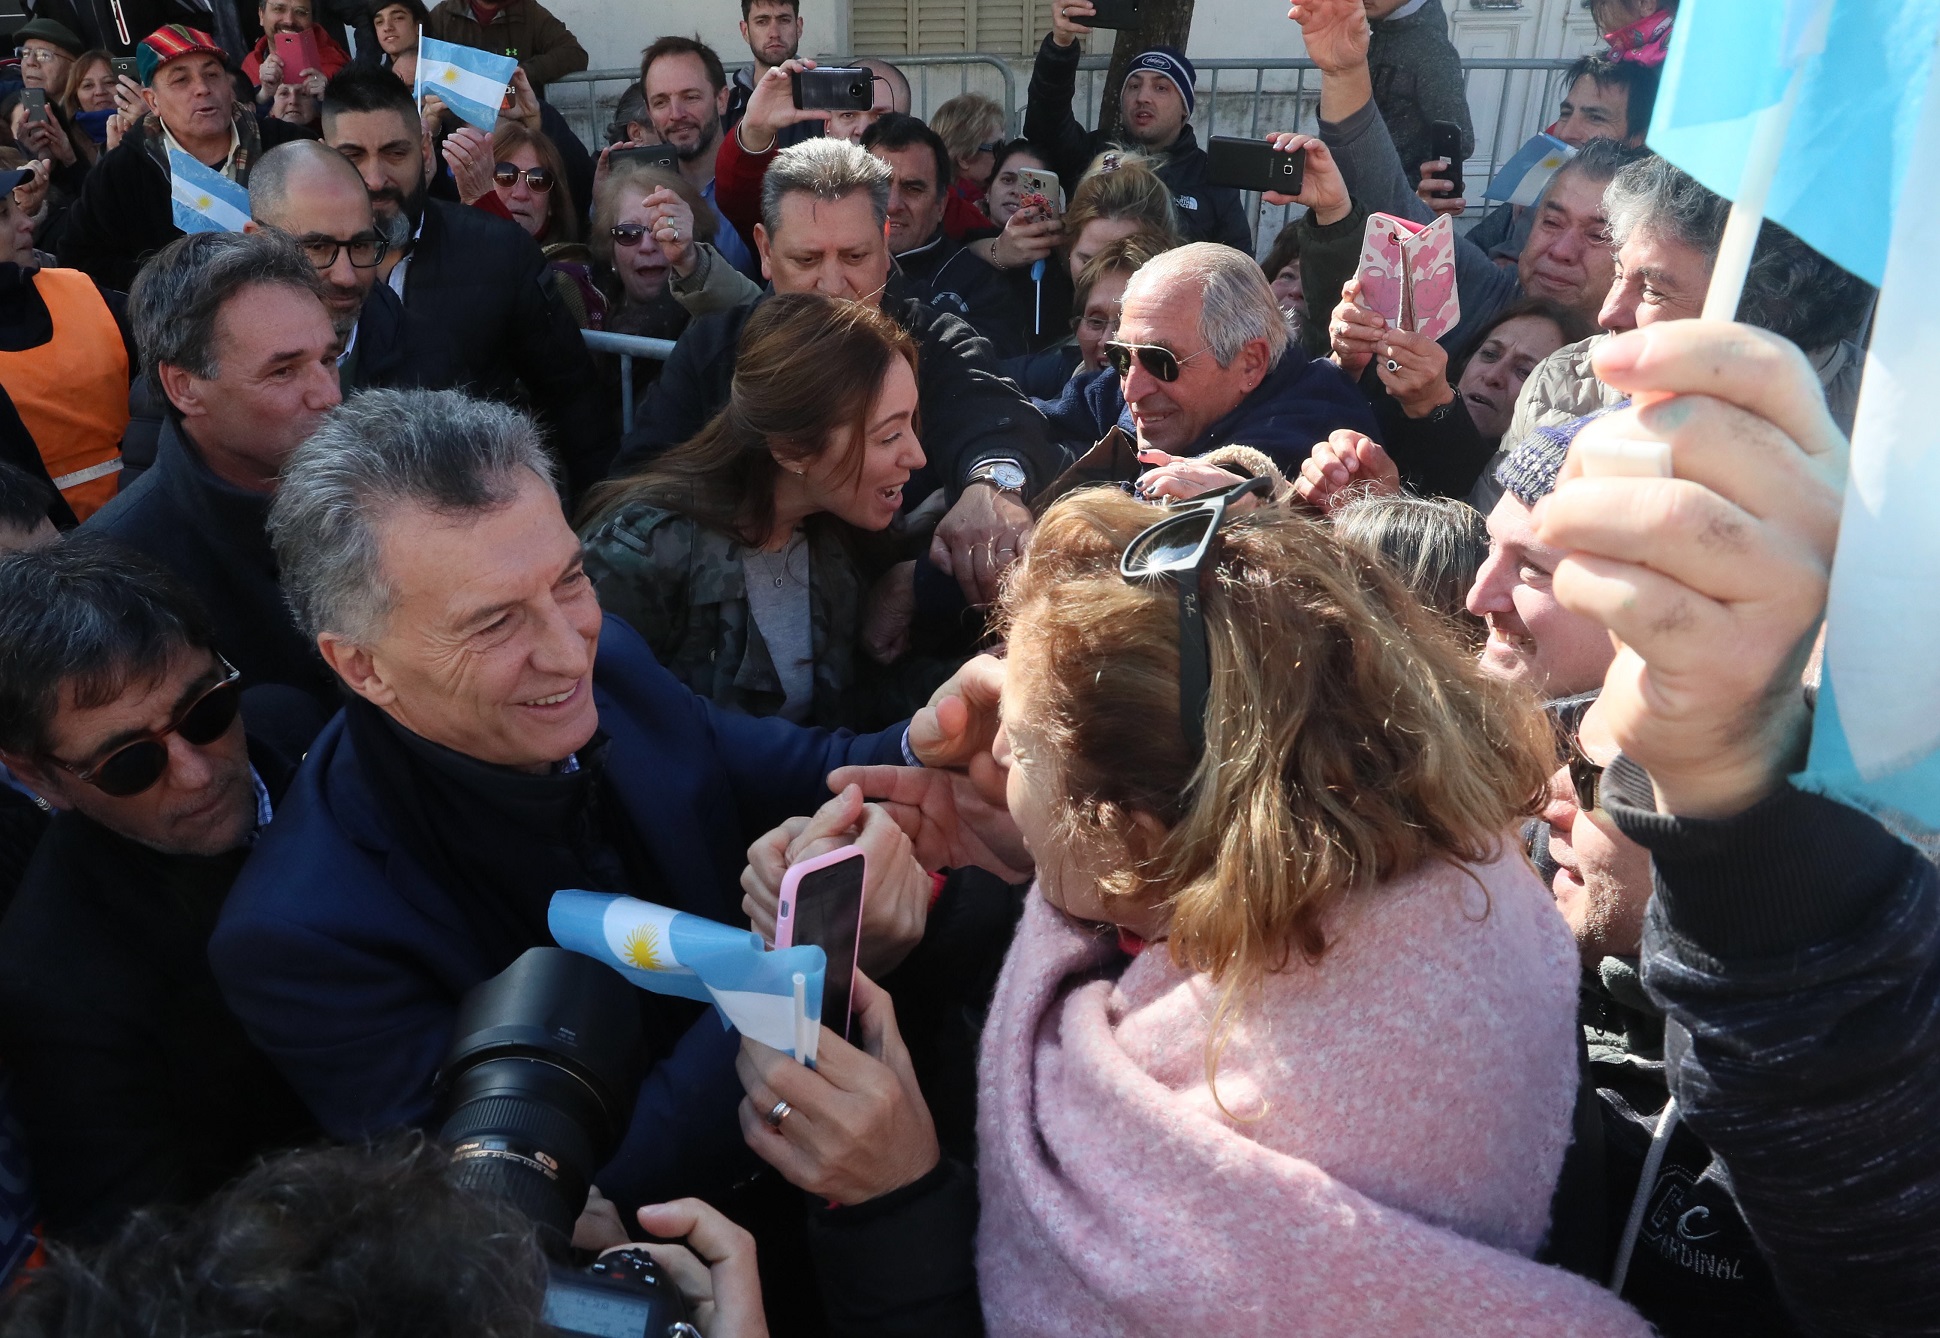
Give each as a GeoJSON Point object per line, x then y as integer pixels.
{"type": "Point", "coordinates": [681, 584]}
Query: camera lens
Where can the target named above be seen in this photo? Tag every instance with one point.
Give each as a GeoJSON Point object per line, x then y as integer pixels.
{"type": "Point", "coordinates": [539, 1083]}
{"type": "Point", "coordinates": [861, 92]}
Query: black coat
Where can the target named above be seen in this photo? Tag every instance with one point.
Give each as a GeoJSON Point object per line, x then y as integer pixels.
{"type": "Point", "coordinates": [947, 276]}
{"type": "Point", "coordinates": [133, 1081]}
{"type": "Point", "coordinates": [124, 214]}
{"type": "Point", "coordinates": [1208, 213]}
{"type": "Point", "coordinates": [478, 285]}
{"type": "Point", "coordinates": [970, 412]}
{"type": "Point", "coordinates": [213, 536]}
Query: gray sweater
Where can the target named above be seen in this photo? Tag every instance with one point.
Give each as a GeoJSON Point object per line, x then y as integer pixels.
{"type": "Point", "coordinates": [1417, 79]}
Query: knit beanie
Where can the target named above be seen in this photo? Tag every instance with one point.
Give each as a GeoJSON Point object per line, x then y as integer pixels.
{"type": "Point", "coordinates": [171, 42]}
{"type": "Point", "coordinates": [1172, 64]}
{"type": "Point", "coordinates": [1530, 469]}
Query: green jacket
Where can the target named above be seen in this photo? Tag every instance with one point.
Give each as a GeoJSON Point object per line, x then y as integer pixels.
{"type": "Point", "coordinates": [682, 586]}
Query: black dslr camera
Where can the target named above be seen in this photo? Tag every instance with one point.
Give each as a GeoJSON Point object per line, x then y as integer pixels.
{"type": "Point", "coordinates": [537, 1090]}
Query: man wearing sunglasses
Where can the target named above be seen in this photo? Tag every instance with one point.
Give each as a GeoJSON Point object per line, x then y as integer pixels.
{"type": "Point", "coordinates": [1203, 359]}
{"type": "Point", "coordinates": [133, 1080]}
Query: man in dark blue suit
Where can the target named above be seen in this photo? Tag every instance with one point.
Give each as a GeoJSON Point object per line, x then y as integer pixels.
{"type": "Point", "coordinates": [501, 740]}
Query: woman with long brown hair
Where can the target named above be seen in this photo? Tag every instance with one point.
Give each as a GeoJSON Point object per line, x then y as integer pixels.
{"type": "Point", "coordinates": [734, 553]}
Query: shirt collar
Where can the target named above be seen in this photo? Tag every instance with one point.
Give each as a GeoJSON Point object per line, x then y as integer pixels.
{"type": "Point", "coordinates": [228, 167]}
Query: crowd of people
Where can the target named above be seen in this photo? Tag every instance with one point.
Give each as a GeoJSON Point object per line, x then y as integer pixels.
{"type": "Point", "coordinates": [1331, 862]}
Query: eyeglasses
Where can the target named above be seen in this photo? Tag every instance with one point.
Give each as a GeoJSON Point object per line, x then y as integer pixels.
{"type": "Point", "coordinates": [34, 56]}
{"type": "Point", "coordinates": [539, 178]}
{"type": "Point", "coordinates": [1157, 359]}
{"type": "Point", "coordinates": [990, 146]}
{"type": "Point", "coordinates": [1177, 549]}
{"type": "Point", "coordinates": [137, 765]}
{"type": "Point", "coordinates": [365, 252]}
{"type": "Point", "coordinates": [627, 234]}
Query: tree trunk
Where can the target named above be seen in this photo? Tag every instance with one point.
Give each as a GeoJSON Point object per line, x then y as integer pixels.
{"type": "Point", "coordinates": [1161, 23]}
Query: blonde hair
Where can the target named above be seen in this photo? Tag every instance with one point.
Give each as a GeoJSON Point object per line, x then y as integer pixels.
{"type": "Point", "coordinates": [1350, 736]}
{"type": "Point", "coordinates": [635, 181]}
{"type": "Point", "coordinates": [966, 121]}
{"type": "Point", "coordinates": [1122, 184]}
{"type": "Point", "coordinates": [1127, 256]}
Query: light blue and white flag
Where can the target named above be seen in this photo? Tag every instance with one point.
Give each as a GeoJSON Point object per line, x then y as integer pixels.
{"type": "Point", "coordinates": [204, 199]}
{"type": "Point", "coordinates": [1524, 177]}
{"type": "Point", "coordinates": [470, 82]}
{"type": "Point", "coordinates": [1846, 130]}
{"type": "Point", "coordinates": [772, 997]}
{"type": "Point", "coordinates": [1876, 734]}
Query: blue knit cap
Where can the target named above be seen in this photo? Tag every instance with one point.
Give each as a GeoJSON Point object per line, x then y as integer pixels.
{"type": "Point", "coordinates": [1172, 64]}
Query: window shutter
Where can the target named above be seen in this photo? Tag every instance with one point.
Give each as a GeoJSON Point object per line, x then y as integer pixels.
{"type": "Point", "coordinates": [947, 27]}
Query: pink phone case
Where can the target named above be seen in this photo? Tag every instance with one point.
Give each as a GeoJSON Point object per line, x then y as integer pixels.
{"type": "Point", "coordinates": [791, 883]}
{"type": "Point", "coordinates": [298, 52]}
{"type": "Point", "coordinates": [1407, 274]}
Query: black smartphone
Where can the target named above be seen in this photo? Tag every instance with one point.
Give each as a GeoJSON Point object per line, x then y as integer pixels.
{"type": "Point", "coordinates": [125, 67]}
{"type": "Point", "coordinates": [821, 903]}
{"type": "Point", "coordinates": [35, 101]}
{"type": "Point", "coordinates": [1445, 141]}
{"type": "Point", "coordinates": [836, 88]}
{"type": "Point", "coordinates": [1254, 164]}
{"type": "Point", "coordinates": [1113, 14]}
{"type": "Point", "coordinates": [645, 155]}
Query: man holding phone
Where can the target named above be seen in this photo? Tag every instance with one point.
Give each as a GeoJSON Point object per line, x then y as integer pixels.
{"type": "Point", "coordinates": [292, 50]}
{"type": "Point", "coordinates": [1153, 110]}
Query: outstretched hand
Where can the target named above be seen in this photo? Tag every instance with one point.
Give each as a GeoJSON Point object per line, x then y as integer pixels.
{"type": "Point", "coordinates": [1337, 32]}
{"type": "Point", "coordinates": [1347, 465]}
{"type": "Point", "coordinates": [1713, 582]}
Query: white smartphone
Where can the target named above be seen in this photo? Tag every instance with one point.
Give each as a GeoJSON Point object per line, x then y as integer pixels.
{"type": "Point", "coordinates": [1038, 181]}
{"type": "Point", "coordinates": [821, 903]}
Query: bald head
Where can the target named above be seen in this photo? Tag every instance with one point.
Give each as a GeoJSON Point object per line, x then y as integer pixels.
{"type": "Point", "coordinates": [898, 82]}
{"type": "Point", "coordinates": [311, 193]}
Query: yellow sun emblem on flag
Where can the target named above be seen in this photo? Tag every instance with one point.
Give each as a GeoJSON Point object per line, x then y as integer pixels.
{"type": "Point", "coordinates": [450, 75]}
{"type": "Point", "coordinates": [204, 201]}
{"type": "Point", "coordinates": [643, 949]}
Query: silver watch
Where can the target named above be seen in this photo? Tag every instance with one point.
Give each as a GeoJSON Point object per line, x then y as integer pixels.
{"type": "Point", "coordinates": [1003, 475]}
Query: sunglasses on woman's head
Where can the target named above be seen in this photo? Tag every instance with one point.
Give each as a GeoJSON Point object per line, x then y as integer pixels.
{"type": "Point", "coordinates": [136, 765]}
{"type": "Point", "coordinates": [1177, 549]}
{"type": "Point", "coordinates": [539, 178]}
{"type": "Point", "coordinates": [1157, 359]}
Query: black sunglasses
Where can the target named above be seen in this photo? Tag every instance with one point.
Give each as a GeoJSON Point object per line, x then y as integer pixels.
{"type": "Point", "coordinates": [539, 178]}
{"type": "Point", "coordinates": [1160, 361]}
{"type": "Point", "coordinates": [138, 764]}
{"type": "Point", "coordinates": [1177, 549]}
{"type": "Point", "coordinates": [627, 234]}
{"type": "Point", "coordinates": [1586, 776]}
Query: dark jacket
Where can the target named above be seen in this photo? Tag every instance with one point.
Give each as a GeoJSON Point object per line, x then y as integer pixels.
{"type": "Point", "coordinates": [1796, 949]}
{"type": "Point", "coordinates": [970, 412]}
{"type": "Point", "coordinates": [946, 276]}
{"type": "Point", "coordinates": [1300, 402]}
{"type": "Point", "coordinates": [213, 536]}
{"type": "Point", "coordinates": [1207, 212]}
{"type": "Point", "coordinates": [346, 960]}
{"type": "Point", "coordinates": [522, 28]}
{"type": "Point", "coordinates": [124, 214]}
{"type": "Point", "coordinates": [480, 286]}
{"type": "Point", "coordinates": [133, 1080]}
{"type": "Point", "coordinates": [1440, 454]}
{"type": "Point", "coordinates": [1417, 77]}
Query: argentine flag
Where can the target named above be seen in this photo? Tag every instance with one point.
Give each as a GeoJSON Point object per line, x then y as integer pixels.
{"type": "Point", "coordinates": [470, 82]}
{"type": "Point", "coordinates": [204, 199]}
{"type": "Point", "coordinates": [773, 997]}
{"type": "Point", "coordinates": [1524, 177]}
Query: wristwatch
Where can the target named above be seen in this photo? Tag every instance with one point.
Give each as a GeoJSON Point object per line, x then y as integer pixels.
{"type": "Point", "coordinates": [1003, 475]}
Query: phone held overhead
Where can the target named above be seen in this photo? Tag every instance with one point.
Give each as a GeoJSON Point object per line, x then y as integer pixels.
{"type": "Point", "coordinates": [1254, 164]}
{"type": "Point", "coordinates": [835, 88]}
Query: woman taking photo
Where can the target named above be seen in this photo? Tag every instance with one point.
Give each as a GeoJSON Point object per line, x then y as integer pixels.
{"type": "Point", "coordinates": [734, 554]}
{"type": "Point", "coordinates": [1286, 1038]}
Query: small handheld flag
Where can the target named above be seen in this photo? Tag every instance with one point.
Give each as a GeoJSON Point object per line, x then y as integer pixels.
{"type": "Point", "coordinates": [204, 200]}
{"type": "Point", "coordinates": [470, 82]}
{"type": "Point", "coordinates": [1525, 176]}
{"type": "Point", "coordinates": [771, 997]}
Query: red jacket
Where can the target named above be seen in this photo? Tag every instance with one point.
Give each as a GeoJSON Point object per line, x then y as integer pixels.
{"type": "Point", "coordinates": [332, 56]}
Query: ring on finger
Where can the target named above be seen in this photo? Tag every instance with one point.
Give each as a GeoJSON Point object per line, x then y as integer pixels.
{"type": "Point", "coordinates": [778, 1112]}
{"type": "Point", "coordinates": [1393, 366]}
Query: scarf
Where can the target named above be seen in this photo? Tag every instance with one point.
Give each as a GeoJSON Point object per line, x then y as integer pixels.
{"type": "Point", "coordinates": [503, 840]}
{"type": "Point", "coordinates": [1647, 41]}
{"type": "Point", "coordinates": [1399, 1116]}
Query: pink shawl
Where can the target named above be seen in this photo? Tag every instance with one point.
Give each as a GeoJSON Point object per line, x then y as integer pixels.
{"type": "Point", "coordinates": [1404, 1107]}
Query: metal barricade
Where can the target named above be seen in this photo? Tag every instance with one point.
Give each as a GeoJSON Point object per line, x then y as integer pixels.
{"type": "Point", "coordinates": [627, 348]}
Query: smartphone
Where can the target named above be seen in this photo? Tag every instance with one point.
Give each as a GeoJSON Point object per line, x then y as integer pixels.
{"type": "Point", "coordinates": [1113, 14]}
{"type": "Point", "coordinates": [35, 101]}
{"type": "Point", "coordinates": [837, 88]}
{"type": "Point", "coordinates": [1041, 181]}
{"type": "Point", "coordinates": [125, 67]}
{"type": "Point", "coordinates": [645, 155]}
{"type": "Point", "coordinates": [1445, 141]}
{"type": "Point", "coordinates": [1254, 164]}
{"type": "Point", "coordinates": [298, 52]}
{"type": "Point", "coordinates": [821, 903]}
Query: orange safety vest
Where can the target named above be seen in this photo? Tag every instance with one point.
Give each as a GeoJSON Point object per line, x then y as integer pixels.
{"type": "Point", "coordinates": [72, 391]}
